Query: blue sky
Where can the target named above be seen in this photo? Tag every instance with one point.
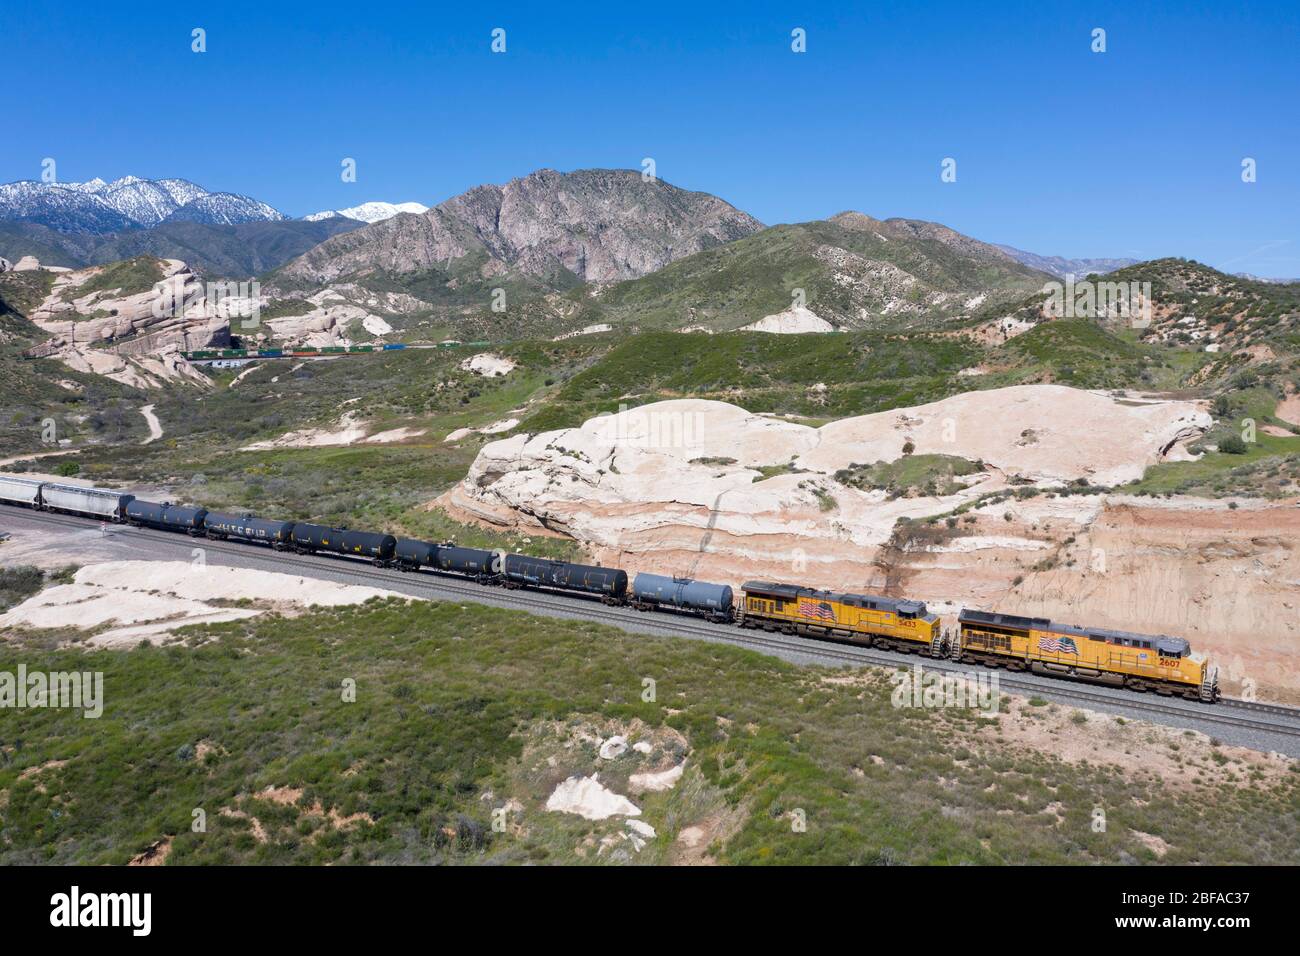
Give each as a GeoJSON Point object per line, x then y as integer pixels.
{"type": "Point", "coordinates": [1133, 152]}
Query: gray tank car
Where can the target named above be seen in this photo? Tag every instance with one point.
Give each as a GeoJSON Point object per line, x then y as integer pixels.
{"type": "Point", "coordinates": [165, 515]}
{"type": "Point", "coordinates": [523, 571]}
{"type": "Point", "coordinates": [220, 525]}
{"type": "Point", "coordinates": [654, 591]}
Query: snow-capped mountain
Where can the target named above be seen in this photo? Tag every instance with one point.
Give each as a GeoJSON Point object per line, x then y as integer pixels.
{"type": "Point", "coordinates": [224, 209]}
{"type": "Point", "coordinates": [96, 207]}
{"type": "Point", "coordinates": [370, 211]}
{"type": "Point", "coordinates": [73, 208]}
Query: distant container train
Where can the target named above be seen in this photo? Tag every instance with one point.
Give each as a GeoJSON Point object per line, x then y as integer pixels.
{"type": "Point", "coordinates": [299, 351]}
{"type": "Point", "coordinates": [1139, 662]}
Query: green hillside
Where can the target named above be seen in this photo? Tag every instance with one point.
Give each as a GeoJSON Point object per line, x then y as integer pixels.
{"type": "Point", "coordinates": [82, 407]}
{"type": "Point", "coordinates": [461, 709]}
{"type": "Point", "coordinates": [861, 372]}
{"type": "Point", "coordinates": [243, 251]}
{"type": "Point", "coordinates": [853, 277]}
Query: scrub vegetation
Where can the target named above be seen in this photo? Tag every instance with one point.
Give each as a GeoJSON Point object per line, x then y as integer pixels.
{"type": "Point", "coordinates": [457, 712]}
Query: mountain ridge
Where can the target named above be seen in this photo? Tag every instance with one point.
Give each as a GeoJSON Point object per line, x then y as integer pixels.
{"type": "Point", "coordinates": [242, 250]}
{"type": "Point", "coordinates": [596, 225]}
{"type": "Point", "coordinates": [851, 270]}
{"type": "Point", "coordinates": [96, 207]}
{"type": "Point", "coordinates": [1061, 267]}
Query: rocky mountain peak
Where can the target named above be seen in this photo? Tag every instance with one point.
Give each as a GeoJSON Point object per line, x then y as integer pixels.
{"type": "Point", "coordinates": [598, 225]}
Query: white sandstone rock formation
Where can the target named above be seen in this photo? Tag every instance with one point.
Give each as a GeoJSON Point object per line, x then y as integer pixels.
{"type": "Point", "coordinates": [590, 799]}
{"type": "Point", "coordinates": [488, 364]}
{"type": "Point", "coordinates": [707, 488]}
{"type": "Point", "coordinates": [129, 601]}
{"type": "Point", "coordinates": [796, 320]}
{"type": "Point", "coordinates": [133, 338]}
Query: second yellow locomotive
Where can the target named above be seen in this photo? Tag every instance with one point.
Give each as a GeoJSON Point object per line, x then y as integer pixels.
{"type": "Point", "coordinates": [1119, 658]}
{"type": "Point", "coordinates": [885, 622]}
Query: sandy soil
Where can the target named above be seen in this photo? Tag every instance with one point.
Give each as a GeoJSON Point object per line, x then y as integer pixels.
{"type": "Point", "coordinates": [1171, 755]}
{"type": "Point", "coordinates": [347, 431]}
{"type": "Point", "coordinates": [1289, 409]}
{"type": "Point", "coordinates": [504, 425]}
{"type": "Point", "coordinates": [155, 426]}
{"type": "Point", "coordinates": [1176, 758]}
{"type": "Point", "coordinates": [590, 799]}
{"type": "Point", "coordinates": [394, 435]}
{"type": "Point", "coordinates": [125, 602]}
{"type": "Point", "coordinates": [244, 374]}
{"type": "Point", "coordinates": [35, 455]}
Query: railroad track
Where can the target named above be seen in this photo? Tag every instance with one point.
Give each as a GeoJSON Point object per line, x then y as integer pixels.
{"type": "Point", "coordinates": [1228, 712]}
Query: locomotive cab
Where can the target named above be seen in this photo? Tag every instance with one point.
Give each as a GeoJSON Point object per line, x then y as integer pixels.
{"type": "Point", "coordinates": [1173, 647]}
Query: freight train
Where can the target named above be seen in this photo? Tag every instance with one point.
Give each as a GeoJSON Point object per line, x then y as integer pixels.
{"type": "Point", "coordinates": [1138, 662]}
{"type": "Point", "coordinates": [301, 351]}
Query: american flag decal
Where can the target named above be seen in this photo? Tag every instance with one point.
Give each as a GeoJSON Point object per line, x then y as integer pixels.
{"type": "Point", "coordinates": [1057, 645]}
{"type": "Point", "coordinates": [816, 610]}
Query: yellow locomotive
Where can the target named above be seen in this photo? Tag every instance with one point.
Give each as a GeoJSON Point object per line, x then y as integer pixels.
{"type": "Point", "coordinates": [1118, 658]}
{"type": "Point", "coordinates": [881, 621]}
{"type": "Point", "coordinates": [1138, 662]}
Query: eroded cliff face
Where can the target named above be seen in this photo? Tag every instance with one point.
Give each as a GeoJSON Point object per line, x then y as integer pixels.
{"type": "Point", "coordinates": [1226, 579]}
{"type": "Point", "coordinates": [709, 490]}
{"type": "Point", "coordinates": [132, 337]}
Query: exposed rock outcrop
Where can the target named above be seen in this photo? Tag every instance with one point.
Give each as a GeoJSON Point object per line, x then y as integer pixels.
{"type": "Point", "coordinates": [795, 320]}
{"type": "Point", "coordinates": [172, 312]}
{"type": "Point", "coordinates": [710, 490]}
{"type": "Point", "coordinates": [134, 337]}
{"type": "Point", "coordinates": [599, 225]}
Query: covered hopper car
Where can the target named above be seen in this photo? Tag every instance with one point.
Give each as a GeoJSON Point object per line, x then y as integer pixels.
{"type": "Point", "coordinates": [20, 491]}
{"type": "Point", "coordinates": [85, 500]}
